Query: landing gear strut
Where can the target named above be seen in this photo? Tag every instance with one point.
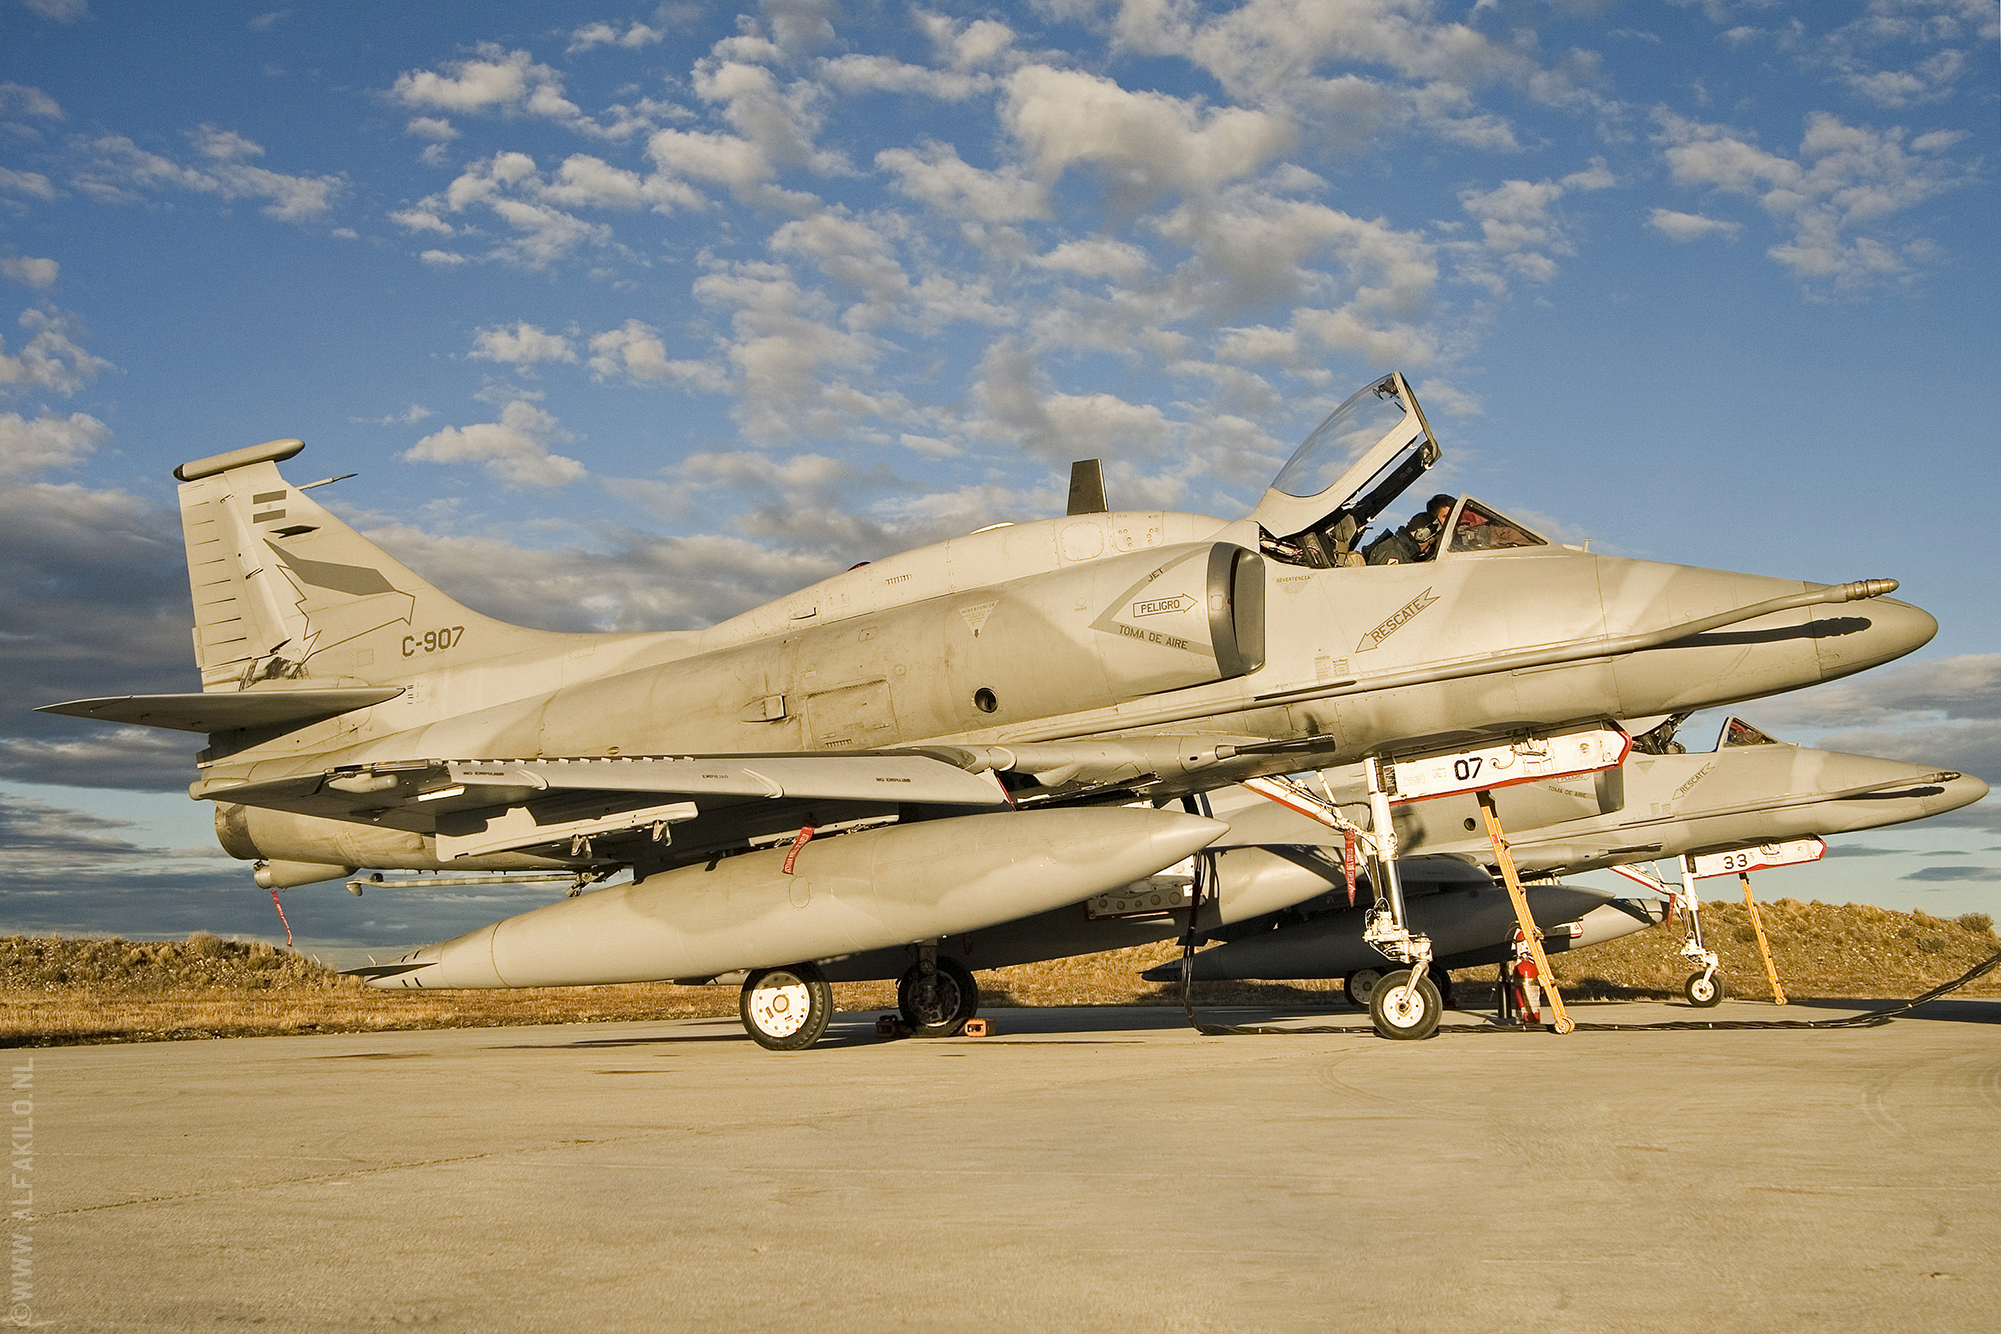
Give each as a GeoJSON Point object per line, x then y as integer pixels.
{"type": "Point", "coordinates": [1703, 989]}
{"type": "Point", "coordinates": [937, 995]}
{"type": "Point", "coordinates": [1404, 1003]}
{"type": "Point", "coordinates": [786, 1009]}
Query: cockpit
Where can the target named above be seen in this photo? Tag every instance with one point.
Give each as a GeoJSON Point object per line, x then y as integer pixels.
{"type": "Point", "coordinates": [1354, 467]}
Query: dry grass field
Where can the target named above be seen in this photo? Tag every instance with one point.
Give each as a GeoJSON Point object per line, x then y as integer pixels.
{"type": "Point", "coordinates": [55, 990]}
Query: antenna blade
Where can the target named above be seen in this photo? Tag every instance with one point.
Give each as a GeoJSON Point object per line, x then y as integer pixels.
{"type": "Point", "coordinates": [1087, 487]}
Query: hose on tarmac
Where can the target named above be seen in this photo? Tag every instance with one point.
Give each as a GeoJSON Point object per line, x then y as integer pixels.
{"type": "Point", "coordinates": [1869, 1019]}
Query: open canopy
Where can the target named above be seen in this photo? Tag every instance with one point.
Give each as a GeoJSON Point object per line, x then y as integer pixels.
{"type": "Point", "coordinates": [1356, 462]}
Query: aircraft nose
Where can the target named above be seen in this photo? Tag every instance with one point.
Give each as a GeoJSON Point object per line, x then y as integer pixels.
{"type": "Point", "coordinates": [1961, 791]}
{"type": "Point", "coordinates": [1862, 635]}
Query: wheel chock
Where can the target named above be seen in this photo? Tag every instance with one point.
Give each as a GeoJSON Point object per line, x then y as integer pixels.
{"type": "Point", "coordinates": [890, 1026]}
{"type": "Point", "coordinates": [975, 1028]}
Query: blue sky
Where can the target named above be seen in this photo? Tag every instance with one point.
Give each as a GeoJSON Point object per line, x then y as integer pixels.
{"type": "Point", "coordinates": [635, 318]}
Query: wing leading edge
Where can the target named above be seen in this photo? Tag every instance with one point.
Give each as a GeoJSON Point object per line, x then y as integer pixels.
{"type": "Point", "coordinates": [482, 807]}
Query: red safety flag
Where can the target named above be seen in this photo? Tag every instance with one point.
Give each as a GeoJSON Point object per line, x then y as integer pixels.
{"type": "Point", "coordinates": [1348, 862]}
{"type": "Point", "coordinates": [805, 837]}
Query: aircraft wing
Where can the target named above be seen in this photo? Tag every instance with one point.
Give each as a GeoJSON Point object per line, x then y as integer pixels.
{"type": "Point", "coordinates": [225, 711]}
{"type": "Point", "coordinates": [479, 807]}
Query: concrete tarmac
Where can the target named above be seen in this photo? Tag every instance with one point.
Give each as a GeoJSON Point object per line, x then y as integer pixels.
{"type": "Point", "coordinates": [1079, 1169]}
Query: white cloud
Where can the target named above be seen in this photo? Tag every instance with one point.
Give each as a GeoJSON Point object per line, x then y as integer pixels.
{"type": "Point", "coordinates": [435, 128]}
{"type": "Point", "coordinates": [1055, 426]}
{"type": "Point", "coordinates": [515, 449]}
{"type": "Point", "coordinates": [32, 445]}
{"type": "Point", "coordinates": [1253, 247]}
{"type": "Point", "coordinates": [634, 352]}
{"type": "Point", "coordinates": [60, 11]}
{"type": "Point", "coordinates": [586, 180]}
{"type": "Point", "coordinates": [938, 176]}
{"type": "Point", "coordinates": [794, 372]}
{"type": "Point", "coordinates": [422, 219]}
{"type": "Point", "coordinates": [886, 74]}
{"type": "Point", "coordinates": [1946, 711]}
{"type": "Point", "coordinates": [523, 345]}
{"type": "Point", "coordinates": [116, 167]}
{"type": "Point", "coordinates": [1690, 226]}
{"type": "Point", "coordinates": [495, 80]}
{"type": "Point", "coordinates": [31, 183]}
{"type": "Point", "coordinates": [30, 272]}
{"type": "Point", "coordinates": [19, 99]}
{"type": "Point", "coordinates": [606, 34]}
{"type": "Point", "coordinates": [775, 128]}
{"type": "Point", "coordinates": [1356, 70]}
{"type": "Point", "coordinates": [509, 186]}
{"type": "Point", "coordinates": [967, 46]}
{"type": "Point", "coordinates": [442, 259]}
{"type": "Point", "coordinates": [862, 259]}
{"type": "Point", "coordinates": [1520, 227]}
{"type": "Point", "coordinates": [416, 412]}
{"type": "Point", "coordinates": [1904, 52]}
{"type": "Point", "coordinates": [51, 360]}
{"type": "Point", "coordinates": [1140, 144]}
{"type": "Point", "coordinates": [1098, 257]}
{"type": "Point", "coordinates": [1836, 196]}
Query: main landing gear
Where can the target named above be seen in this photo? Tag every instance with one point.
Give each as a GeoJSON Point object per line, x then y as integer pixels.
{"type": "Point", "coordinates": [936, 996]}
{"type": "Point", "coordinates": [786, 1009]}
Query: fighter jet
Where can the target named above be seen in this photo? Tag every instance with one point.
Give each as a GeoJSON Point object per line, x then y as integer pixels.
{"type": "Point", "coordinates": [928, 745]}
{"type": "Point", "coordinates": [1662, 803]}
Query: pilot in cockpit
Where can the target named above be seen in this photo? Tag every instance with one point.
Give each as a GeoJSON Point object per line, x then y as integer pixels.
{"type": "Point", "coordinates": [1417, 540]}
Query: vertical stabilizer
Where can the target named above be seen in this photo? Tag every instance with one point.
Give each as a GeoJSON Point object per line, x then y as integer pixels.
{"type": "Point", "coordinates": [283, 590]}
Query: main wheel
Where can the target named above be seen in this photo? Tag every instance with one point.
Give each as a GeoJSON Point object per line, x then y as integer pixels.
{"type": "Point", "coordinates": [786, 1009]}
{"type": "Point", "coordinates": [955, 998]}
{"type": "Point", "coordinates": [1403, 1008]}
{"type": "Point", "coordinates": [1703, 991]}
{"type": "Point", "coordinates": [1361, 986]}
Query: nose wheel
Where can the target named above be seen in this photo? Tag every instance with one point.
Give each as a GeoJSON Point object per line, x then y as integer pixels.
{"type": "Point", "coordinates": [1703, 989]}
{"type": "Point", "coordinates": [1406, 1006]}
{"type": "Point", "coordinates": [786, 1009]}
{"type": "Point", "coordinates": [941, 1008]}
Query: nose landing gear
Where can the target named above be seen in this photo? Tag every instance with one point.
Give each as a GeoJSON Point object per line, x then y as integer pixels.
{"type": "Point", "coordinates": [1704, 989]}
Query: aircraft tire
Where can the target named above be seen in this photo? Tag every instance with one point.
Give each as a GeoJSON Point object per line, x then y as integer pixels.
{"type": "Point", "coordinates": [1361, 985]}
{"type": "Point", "coordinates": [1703, 994]}
{"type": "Point", "coordinates": [956, 999]}
{"type": "Point", "coordinates": [1404, 1010]}
{"type": "Point", "coordinates": [1442, 979]}
{"type": "Point", "coordinates": [786, 1009]}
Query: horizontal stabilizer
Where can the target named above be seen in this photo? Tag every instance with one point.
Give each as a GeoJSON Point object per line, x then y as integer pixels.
{"type": "Point", "coordinates": [225, 711]}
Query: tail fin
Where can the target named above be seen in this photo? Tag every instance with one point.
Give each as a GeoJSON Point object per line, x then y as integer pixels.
{"type": "Point", "coordinates": [284, 590]}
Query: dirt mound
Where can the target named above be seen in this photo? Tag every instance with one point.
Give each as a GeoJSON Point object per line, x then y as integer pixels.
{"type": "Point", "coordinates": [73, 990]}
{"type": "Point", "coordinates": [1851, 951]}
{"type": "Point", "coordinates": [202, 962]}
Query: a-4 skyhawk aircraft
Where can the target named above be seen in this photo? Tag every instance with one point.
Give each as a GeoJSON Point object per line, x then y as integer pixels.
{"type": "Point", "coordinates": [1662, 803]}
{"type": "Point", "coordinates": [954, 728]}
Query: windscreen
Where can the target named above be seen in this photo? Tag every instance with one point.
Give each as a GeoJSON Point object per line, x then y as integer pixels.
{"type": "Point", "coordinates": [1338, 441]}
{"type": "Point", "coordinates": [1479, 528]}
